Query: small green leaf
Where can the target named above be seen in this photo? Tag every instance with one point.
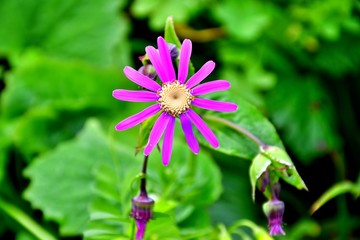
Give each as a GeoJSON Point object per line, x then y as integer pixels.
{"type": "Point", "coordinates": [171, 37]}
{"type": "Point", "coordinates": [257, 168]}
{"type": "Point", "coordinates": [332, 192]}
{"type": "Point", "coordinates": [281, 160]}
{"type": "Point", "coordinates": [170, 34]}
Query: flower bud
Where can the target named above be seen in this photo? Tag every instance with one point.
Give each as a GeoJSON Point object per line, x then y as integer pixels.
{"type": "Point", "coordinates": [274, 210]}
{"type": "Point", "coordinates": [148, 70]}
{"type": "Point", "coordinates": [142, 210]}
{"type": "Point", "coordinates": [174, 52]}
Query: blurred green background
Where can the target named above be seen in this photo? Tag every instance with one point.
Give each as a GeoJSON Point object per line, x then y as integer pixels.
{"type": "Point", "coordinates": [62, 163]}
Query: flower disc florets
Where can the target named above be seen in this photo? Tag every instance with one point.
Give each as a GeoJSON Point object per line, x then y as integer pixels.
{"type": "Point", "coordinates": [175, 98]}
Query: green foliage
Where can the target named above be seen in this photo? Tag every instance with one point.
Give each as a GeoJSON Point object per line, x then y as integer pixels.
{"type": "Point", "coordinates": [307, 116]}
{"type": "Point", "coordinates": [65, 29]}
{"type": "Point", "coordinates": [61, 180]}
{"type": "Point", "coordinates": [334, 191]}
{"type": "Point", "coordinates": [247, 117]}
{"type": "Point", "coordinates": [293, 62]}
{"type": "Point", "coordinates": [200, 186]}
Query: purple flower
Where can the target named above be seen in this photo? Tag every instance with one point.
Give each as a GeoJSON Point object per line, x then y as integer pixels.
{"type": "Point", "coordinates": [141, 211]}
{"type": "Point", "coordinates": [174, 99]}
{"type": "Point", "coordinates": [274, 210]}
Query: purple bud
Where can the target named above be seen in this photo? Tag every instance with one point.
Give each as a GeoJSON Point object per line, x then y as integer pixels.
{"type": "Point", "coordinates": [274, 210]}
{"type": "Point", "coordinates": [174, 52]}
{"type": "Point", "coordinates": [142, 210]}
{"type": "Point", "coordinates": [148, 70]}
{"type": "Point", "coordinates": [264, 181]}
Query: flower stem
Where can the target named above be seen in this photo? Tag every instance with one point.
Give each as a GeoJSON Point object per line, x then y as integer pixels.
{"type": "Point", "coordinates": [237, 128]}
{"type": "Point", "coordinates": [143, 179]}
{"type": "Point", "coordinates": [28, 223]}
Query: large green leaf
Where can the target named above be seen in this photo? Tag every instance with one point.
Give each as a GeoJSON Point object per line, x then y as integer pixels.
{"type": "Point", "coordinates": [42, 81]}
{"type": "Point", "coordinates": [247, 117]}
{"type": "Point", "coordinates": [82, 29]}
{"type": "Point", "coordinates": [181, 189]}
{"type": "Point", "coordinates": [61, 180]}
{"type": "Point", "coordinates": [46, 95]}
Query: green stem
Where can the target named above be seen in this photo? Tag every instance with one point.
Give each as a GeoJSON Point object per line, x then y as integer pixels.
{"type": "Point", "coordinates": [27, 222]}
{"type": "Point", "coordinates": [237, 128]}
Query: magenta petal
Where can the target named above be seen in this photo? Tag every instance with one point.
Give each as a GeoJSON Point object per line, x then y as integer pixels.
{"type": "Point", "coordinates": [214, 105]}
{"type": "Point", "coordinates": [157, 131]}
{"type": "Point", "coordinates": [200, 75]}
{"type": "Point", "coordinates": [189, 134]}
{"type": "Point", "coordinates": [138, 118]}
{"type": "Point", "coordinates": [203, 128]}
{"type": "Point", "coordinates": [185, 54]}
{"type": "Point", "coordinates": [156, 62]}
{"type": "Point", "coordinates": [166, 59]}
{"type": "Point", "coordinates": [209, 87]}
{"type": "Point", "coordinates": [168, 141]}
{"type": "Point", "coordinates": [141, 79]}
{"type": "Point", "coordinates": [141, 227]}
{"type": "Point", "coordinates": [135, 96]}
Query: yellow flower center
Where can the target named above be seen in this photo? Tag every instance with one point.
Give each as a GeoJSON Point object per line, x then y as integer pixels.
{"type": "Point", "coordinates": [175, 98]}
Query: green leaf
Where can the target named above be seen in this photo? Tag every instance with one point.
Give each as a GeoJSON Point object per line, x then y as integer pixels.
{"type": "Point", "coordinates": [171, 37]}
{"type": "Point", "coordinates": [193, 181]}
{"type": "Point", "coordinates": [111, 205]}
{"type": "Point", "coordinates": [67, 84]}
{"type": "Point", "coordinates": [281, 160]}
{"type": "Point", "coordinates": [170, 34]}
{"type": "Point", "coordinates": [258, 166]}
{"type": "Point", "coordinates": [245, 20]}
{"type": "Point", "coordinates": [334, 191]}
{"type": "Point", "coordinates": [247, 117]}
{"type": "Point", "coordinates": [65, 29]}
{"type": "Point", "coordinates": [61, 180]}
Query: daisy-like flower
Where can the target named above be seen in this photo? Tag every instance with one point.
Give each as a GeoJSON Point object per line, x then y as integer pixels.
{"type": "Point", "coordinates": [174, 99]}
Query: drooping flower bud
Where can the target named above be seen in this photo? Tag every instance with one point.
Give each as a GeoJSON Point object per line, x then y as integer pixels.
{"type": "Point", "coordinates": [148, 70]}
{"type": "Point", "coordinates": [264, 181]}
{"type": "Point", "coordinates": [174, 52]}
{"type": "Point", "coordinates": [142, 210]}
{"type": "Point", "coordinates": [274, 210]}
